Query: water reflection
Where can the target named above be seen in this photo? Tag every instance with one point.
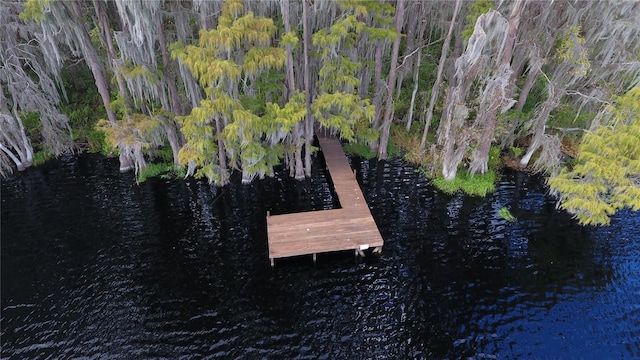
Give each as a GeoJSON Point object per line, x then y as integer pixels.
{"type": "Point", "coordinates": [94, 265]}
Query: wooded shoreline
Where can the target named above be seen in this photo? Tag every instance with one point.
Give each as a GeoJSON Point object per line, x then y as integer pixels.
{"type": "Point", "coordinates": [220, 86]}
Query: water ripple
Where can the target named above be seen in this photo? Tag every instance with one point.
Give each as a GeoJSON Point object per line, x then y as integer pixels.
{"type": "Point", "coordinates": [95, 266]}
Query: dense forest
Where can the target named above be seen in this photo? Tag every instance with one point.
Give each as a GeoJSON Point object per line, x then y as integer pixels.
{"type": "Point", "coordinates": [206, 88]}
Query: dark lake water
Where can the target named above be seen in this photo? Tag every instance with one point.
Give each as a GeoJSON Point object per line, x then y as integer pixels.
{"type": "Point", "coordinates": [95, 266]}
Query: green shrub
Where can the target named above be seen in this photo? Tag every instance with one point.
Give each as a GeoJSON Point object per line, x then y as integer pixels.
{"type": "Point", "coordinates": [474, 185]}
{"type": "Point", "coordinates": [41, 157]}
{"type": "Point", "coordinates": [95, 140]}
{"type": "Point", "coordinates": [566, 116]}
{"type": "Point", "coordinates": [494, 157]}
{"type": "Point", "coordinates": [537, 95]}
{"type": "Point", "coordinates": [32, 127]}
{"type": "Point", "coordinates": [164, 154]}
{"type": "Point", "coordinates": [447, 187]}
{"type": "Point", "coordinates": [359, 149]}
{"type": "Point", "coordinates": [517, 151]}
{"type": "Point", "coordinates": [393, 150]}
{"type": "Point", "coordinates": [153, 170]}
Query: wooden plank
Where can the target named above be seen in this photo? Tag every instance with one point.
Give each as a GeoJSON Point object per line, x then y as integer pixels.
{"type": "Point", "coordinates": [348, 228]}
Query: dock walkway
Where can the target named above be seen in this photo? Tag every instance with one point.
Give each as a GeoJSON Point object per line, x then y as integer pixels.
{"type": "Point", "coordinates": [349, 228]}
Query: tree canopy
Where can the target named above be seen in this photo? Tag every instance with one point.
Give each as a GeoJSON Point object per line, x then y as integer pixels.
{"type": "Point", "coordinates": [606, 177]}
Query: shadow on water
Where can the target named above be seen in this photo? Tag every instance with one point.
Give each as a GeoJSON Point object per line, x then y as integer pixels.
{"type": "Point", "coordinates": [94, 265]}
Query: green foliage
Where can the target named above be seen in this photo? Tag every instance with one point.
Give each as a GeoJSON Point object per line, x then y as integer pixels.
{"type": "Point", "coordinates": [343, 33]}
{"type": "Point", "coordinates": [505, 214]}
{"type": "Point", "coordinates": [210, 61]}
{"type": "Point", "coordinates": [41, 157]}
{"type": "Point", "coordinates": [254, 128]}
{"type": "Point", "coordinates": [341, 111]}
{"type": "Point", "coordinates": [94, 139]}
{"type": "Point", "coordinates": [627, 108]}
{"type": "Point", "coordinates": [566, 116]}
{"type": "Point", "coordinates": [289, 39]}
{"type": "Point", "coordinates": [426, 78]}
{"type": "Point", "coordinates": [361, 150]}
{"type": "Point", "coordinates": [255, 142]}
{"type": "Point", "coordinates": [494, 157]}
{"type": "Point", "coordinates": [516, 151]}
{"type": "Point", "coordinates": [163, 154]}
{"type": "Point", "coordinates": [393, 150]}
{"type": "Point", "coordinates": [153, 170]}
{"type": "Point", "coordinates": [478, 8]}
{"type": "Point", "coordinates": [337, 105]}
{"type": "Point", "coordinates": [268, 89]}
{"type": "Point", "coordinates": [474, 185]}
{"type": "Point", "coordinates": [32, 127]}
{"type": "Point", "coordinates": [136, 131]}
{"type": "Point", "coordinates": [84, 108]}
{"type": "Point", "coordinates": [537, 95]}
{"type": "Point", "coordinates": [339, 73]}
{"type": "Point", "coordinates": [33, 10]}
{"type": "Point", "coordinates": [201, 146]}
{"type": "Point", "coordinates": [130, 71]}
{"type": "Point", "coordinates": [604, 180]}
{"type": "Point", "coordinates": [570, 48]}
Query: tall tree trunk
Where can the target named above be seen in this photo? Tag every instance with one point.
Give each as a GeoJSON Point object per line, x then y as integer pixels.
{"type": "Point", "coordinates": [416, 73]}
{"type": "Point", "coordinates": [19, 164]}
{"type": "Point", "coordinates": [435, 90]}
{"type": "Point", "coordinates": [100, 78]}
{"type": "Point", "coordinates": [92, 59]}
{"type": "Point", "coordinates": [495, 94]}
{"type": "Point", "coordinates": [388, 111]}
{"type": "Point", "coordinates": [528, 84]}
{"type": "Point", "coordinates": [539, 120]}
{"type": "Point", "coordinates": [103, 25]}
{"type": "Point", "coordinates": [172, 128]}
{"type": "Point", "coordinates": [377, 91]}
{"type": "Point", "coordinates": [16, 137]}
{"type": "Point", "coordinates": [453, 134]}
{"type": "Point", "coordinates": [291, 81]}
{"type": "Point", "coordinates": [222, 154]}
{"type": "Point", "coordinates": [308, 129]}
{"type": "Point", "coordinates": [453, 137]}
{"type": "Point", "coordinates": [174, 97]}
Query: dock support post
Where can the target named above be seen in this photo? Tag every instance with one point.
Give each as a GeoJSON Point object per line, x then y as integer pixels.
{"type": "Point", "coordinates": [377, 250]}
{"type": "Point", "coordinates": [272, 262]}
{"type": "Point", "coordinates": [314, 258]}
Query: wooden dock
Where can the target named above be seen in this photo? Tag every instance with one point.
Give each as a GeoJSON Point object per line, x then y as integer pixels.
{"type": "Point", "coordinates": [349, 228]}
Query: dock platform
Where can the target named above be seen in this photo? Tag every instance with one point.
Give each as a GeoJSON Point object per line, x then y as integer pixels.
{"type": "Point", "coordinates": [350, 227]}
